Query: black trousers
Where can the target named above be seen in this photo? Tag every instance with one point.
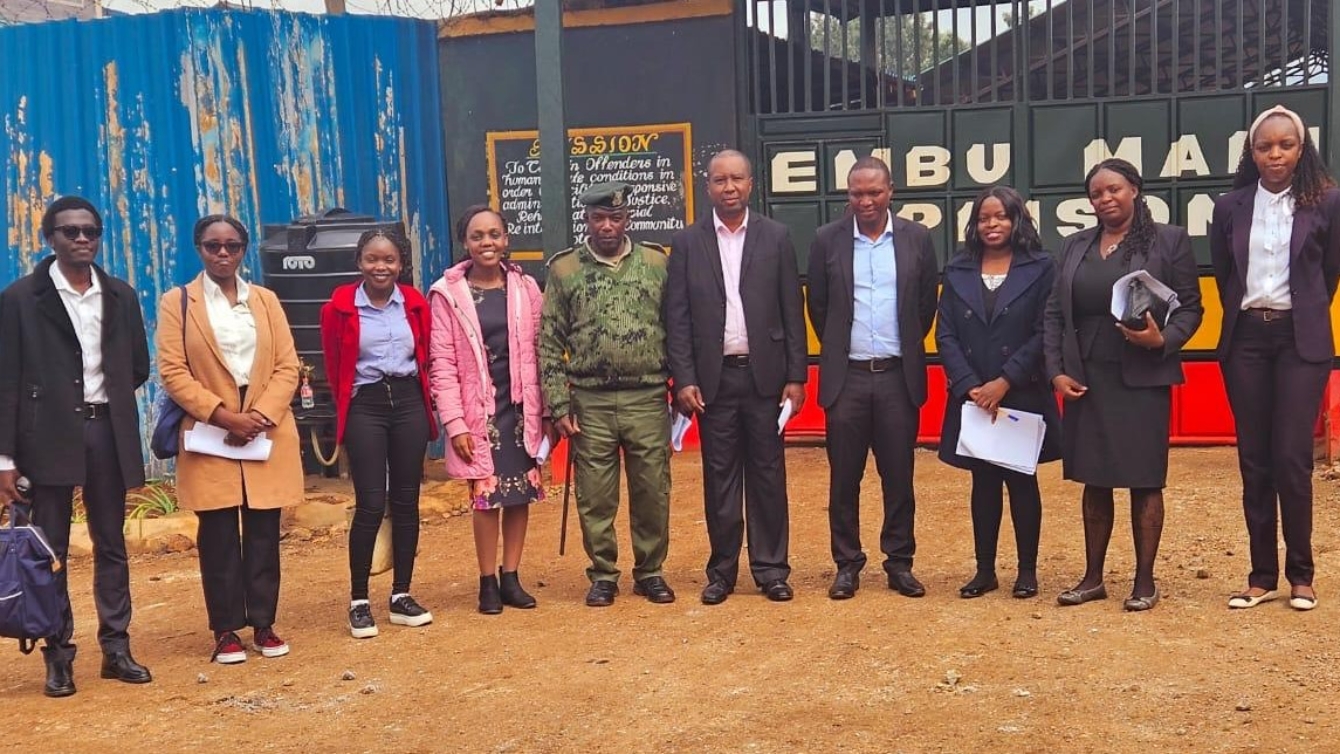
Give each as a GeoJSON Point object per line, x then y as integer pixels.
{"type": "Point", "coordinates": [988, 506]}
{"type": "Point", "coordinates": [1275, 396]}
{"type": "Point", "coordinates": [743, 466]}
{"type": "Point", "coordinates": [105, 501]}
{"type": "Point", "coordinates": [873, 412]}
{"type": "Point", "coordinates": [239, 567]}
{"type": "Point", "coordinates": [385, 437]}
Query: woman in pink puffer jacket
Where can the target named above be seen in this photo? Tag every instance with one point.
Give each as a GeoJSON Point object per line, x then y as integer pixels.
{"type": "Point", "coordinates": [485, 379]}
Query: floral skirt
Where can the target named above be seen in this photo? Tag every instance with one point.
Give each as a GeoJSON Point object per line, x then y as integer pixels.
{"type": "Point", "coordinates": [516, 478]}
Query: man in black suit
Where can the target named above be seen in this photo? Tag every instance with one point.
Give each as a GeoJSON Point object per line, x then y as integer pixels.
{"type": "Point", "coordinates": [72, 353]}
{"type": "Point", "coordinates": [736, 341]}
{"type": "Point", "coordinates": [872, 287]}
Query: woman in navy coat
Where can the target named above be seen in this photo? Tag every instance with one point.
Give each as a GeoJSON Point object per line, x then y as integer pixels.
{"type": "Point", "coordinates": [989, 336]}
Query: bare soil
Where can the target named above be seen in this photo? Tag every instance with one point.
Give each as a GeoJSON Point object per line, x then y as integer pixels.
{"type": "Point", "coordinates": [878, 673]}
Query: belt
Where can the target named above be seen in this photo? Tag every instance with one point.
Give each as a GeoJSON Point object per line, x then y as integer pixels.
{"type": "Point", "coordinates": [739, 361]}
{"type": "Point", "coordinates": [95, 411]}
{"type": "Point", "coordinates": [388, 378]}
{"type": "Point", "coordinates": [874, 365]}
{"type": "Point", "coordinates": [1268, 315]}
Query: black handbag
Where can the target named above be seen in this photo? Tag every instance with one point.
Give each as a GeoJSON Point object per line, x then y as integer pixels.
{"type": "Point", "coordinates": [166, 440]}
{"type": "Point", "coordinates": [32, 603]}
{"type": "Point", "coordinates": [1139, 301]}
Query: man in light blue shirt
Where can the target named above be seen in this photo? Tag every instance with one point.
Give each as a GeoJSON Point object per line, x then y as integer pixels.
{"type": "Point", "coordinates": [872, 293]}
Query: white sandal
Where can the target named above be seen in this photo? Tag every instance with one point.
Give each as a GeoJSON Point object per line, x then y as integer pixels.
{"type": "Point", "coordinates": [1244, 601]}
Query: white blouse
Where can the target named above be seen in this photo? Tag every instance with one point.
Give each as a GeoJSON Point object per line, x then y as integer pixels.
{"type": "Point", "coordinates": [1268, 251]}
{"type": "Point", "coordinates": [234, 328]}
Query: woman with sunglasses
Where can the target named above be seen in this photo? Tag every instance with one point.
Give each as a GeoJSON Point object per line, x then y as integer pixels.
{"type": "Point", "coordinates": [231, 363]}
{"type": "Point", "coordinates": [486, 380]}
{"type": "Point", "coordinates": [374, 334]}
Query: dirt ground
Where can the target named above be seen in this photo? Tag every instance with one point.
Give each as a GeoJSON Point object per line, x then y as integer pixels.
{"type": "Point", "coordinates": [878, 673]}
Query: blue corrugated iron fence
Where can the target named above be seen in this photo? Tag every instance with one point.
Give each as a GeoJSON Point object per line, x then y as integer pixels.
{"type": "Point", "coordinates": [161, 119]}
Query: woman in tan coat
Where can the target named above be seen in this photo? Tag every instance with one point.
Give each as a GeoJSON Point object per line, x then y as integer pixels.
{"type": "Point", "coordinates": [233, 365]}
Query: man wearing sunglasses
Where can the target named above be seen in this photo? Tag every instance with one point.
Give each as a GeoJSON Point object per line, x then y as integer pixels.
{"type": "Point", "coordinates": [72, 353]}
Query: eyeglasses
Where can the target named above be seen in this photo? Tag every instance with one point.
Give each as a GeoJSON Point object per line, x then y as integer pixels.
{"type": "Point", "coordinates": [72, 232]}
{"type": "Point", "coordinates": [232, 247]}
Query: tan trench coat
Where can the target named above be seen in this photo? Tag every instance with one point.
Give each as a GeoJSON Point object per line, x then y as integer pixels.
{"type": "Point", "coordinates": [208, 482]}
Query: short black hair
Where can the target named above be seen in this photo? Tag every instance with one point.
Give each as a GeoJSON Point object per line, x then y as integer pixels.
{"type": "Point", "coordinates": [64, 204]}
{"type": "Point", "coordinates": [463, 224]}
{"type": "Point", "coordinates": [203, 224]}
{"type": "Point", "coordinates": [399, 240]}
{"type": "Point", "coordinates": [871, 162]}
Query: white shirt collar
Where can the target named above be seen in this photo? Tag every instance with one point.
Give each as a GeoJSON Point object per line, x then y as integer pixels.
{"type": "Point", "coordinates": [212, 290]}
{"type": "Point", "coordinates": [722, 227]}
{"type": "Point", "coordinates": [62, 284]}
{"type": "Point", "coordinates": [888, 227]}
{"type": "Point", "coordinates": [1271, 197]}
{"type": "Point", "coordinates": [361, 297]}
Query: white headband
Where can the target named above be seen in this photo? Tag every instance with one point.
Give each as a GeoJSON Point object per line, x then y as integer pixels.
{"type": "Point", "coordinates": [1278, 110]}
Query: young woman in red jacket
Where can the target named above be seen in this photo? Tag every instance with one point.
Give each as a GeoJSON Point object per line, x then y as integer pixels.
{"type": "Point", "coordinates": [375, 337]}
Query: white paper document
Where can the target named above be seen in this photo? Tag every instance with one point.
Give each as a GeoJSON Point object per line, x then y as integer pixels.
{"type": "Point", "coordinates": [784, 416]}
{"type": "Point", "coordinates": [679, 427]}
{"type": "Point", "coordinates": [208, 440]}
{"type": "Point", "coordinates": [1013, 441]}
{"type": "Point", "coordinates": [1121, 291]}
{"type": "Point", "coordinates": [543, 452]}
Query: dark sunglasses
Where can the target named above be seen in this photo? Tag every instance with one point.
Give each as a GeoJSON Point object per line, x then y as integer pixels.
{"type": "Point", "coordinates": [232, 247]}
{"type": "Point", "coordinates": [72, 232]}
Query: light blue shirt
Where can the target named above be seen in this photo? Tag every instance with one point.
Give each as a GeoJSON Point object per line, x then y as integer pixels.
{"type": "Point", "coordinates": [874, 325]}
{"type": "Point", "coordinates": [385, 342]}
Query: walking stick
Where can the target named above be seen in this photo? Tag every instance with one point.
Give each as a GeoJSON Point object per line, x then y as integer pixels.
{"type": "Point", "coordinates": [567, 496]}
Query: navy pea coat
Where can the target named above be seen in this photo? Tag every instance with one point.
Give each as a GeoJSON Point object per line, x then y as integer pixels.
{"type": "Point", "coordinates": [976, 349]}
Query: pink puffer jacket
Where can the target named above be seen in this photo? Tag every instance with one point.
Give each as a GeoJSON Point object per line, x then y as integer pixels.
{"type": "Point", "coordinates": [458, 370]}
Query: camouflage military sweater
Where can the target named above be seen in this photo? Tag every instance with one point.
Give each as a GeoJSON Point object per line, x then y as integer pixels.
{"type": "Point", "coordinates": [602, 325]}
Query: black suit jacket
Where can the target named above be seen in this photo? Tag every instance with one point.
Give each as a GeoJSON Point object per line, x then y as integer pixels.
{"type": "Point", "coordinates": [695, 306]}
{"type": "Point", "coordinates": [1170, 261]}
{"type": "Point", "coordinates": [832, 301]}
{"type": "Point", "coordinates": [42, 378]}
{"type": "Point", "coordinates": [1314, 267]}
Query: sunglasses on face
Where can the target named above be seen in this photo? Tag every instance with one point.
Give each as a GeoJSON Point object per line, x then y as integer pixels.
{"type": "Point", "coordinates": [72, 232]}
{"type": "Point", "coordinates": [233, 248]}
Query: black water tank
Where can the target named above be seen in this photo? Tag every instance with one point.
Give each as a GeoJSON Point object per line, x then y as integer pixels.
{"type": "Point", "coordinates": [303, 262]}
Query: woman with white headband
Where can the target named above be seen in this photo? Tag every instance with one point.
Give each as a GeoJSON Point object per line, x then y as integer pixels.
{"type": "Point", "coordinates": [1275, 246]}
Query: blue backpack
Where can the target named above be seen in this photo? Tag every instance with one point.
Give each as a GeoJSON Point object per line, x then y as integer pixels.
{"type": "Point", "coordinates": [32, 602]}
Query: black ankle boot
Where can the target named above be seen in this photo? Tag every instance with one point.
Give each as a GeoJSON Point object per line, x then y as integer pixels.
{"type": "Point", "coordinates": [512, 593]}
{"type": "Point", "coordinates": [60, 670]}
{"type": "Point", "coordinates": [490, 601]}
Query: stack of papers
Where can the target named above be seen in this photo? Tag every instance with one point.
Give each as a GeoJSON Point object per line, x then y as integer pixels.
{"type": "Point", "coordinates": [679, 426]}
{"type": "Point", "coordinates": [1013, 441]}
{"type": "Point", "coordinates": [1121, 291]}
{"type": "Point", "coordinates": [209, 440]}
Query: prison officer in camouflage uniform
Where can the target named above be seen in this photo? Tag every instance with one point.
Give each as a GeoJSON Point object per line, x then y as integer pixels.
{"type": "Point", "coordinates": [603, 365]}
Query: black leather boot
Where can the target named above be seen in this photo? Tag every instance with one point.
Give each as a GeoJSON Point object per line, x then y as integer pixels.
{"type": "Point", "coordinates": [490, 601]}
{"type": "Point", "coordinates": [512, 593]}
{"type": "Point", "coordinates": [60, 670]}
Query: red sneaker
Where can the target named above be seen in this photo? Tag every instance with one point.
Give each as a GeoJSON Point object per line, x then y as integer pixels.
{"type": "Point", "coordinates": [228, 649]}
{"type": "Point", "coordinates": [269, 644]}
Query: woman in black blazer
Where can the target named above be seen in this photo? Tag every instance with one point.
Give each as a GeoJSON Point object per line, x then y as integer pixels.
{"type": "Point", "coordinates": [989, 338]}
{"type": "Point", "coordinates": [1275, 245]}
{"type": "Point", "coordinates": [1117, 381]}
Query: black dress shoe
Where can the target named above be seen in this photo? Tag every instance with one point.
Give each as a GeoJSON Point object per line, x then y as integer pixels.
{"type": "Point", "coordinates": [844, 585]}
{"type": "Point", "coordinates": [601, 593]}
{"type": "Point", "coordinates": [1026, 585]}
{"type": "Point", "coordinates": [980, 584]}
{"type": "Point", "coordinates": [906, 584]}
{"type": "Point", "coordinates": [654, 589]}
{"type": "Point", "coordinates": [122, 667]}
{"type": "Point", "coordinates": [60, 671]}
{"type": "Point", "coordinates": [716, 593]}
{"type": "Point", "coordinates": [778, 591]}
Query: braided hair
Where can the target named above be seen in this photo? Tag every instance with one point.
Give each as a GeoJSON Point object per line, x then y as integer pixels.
{"type": "Point", "coordinates": [397, 239]}
{"type": "Point", "coordinates": [1023, 231]}
{"type": "Point", "coordinates": [1310, 177]}
{"type": "Point", "coordinates": [1140, 236]}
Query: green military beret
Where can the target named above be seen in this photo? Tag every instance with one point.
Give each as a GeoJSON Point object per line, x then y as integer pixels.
{"type": "Point", "coordinates": [611, 195]}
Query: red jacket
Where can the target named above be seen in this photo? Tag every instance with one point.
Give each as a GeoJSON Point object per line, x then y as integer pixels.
{"type": "Point", "coordinates": [339, 341]}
